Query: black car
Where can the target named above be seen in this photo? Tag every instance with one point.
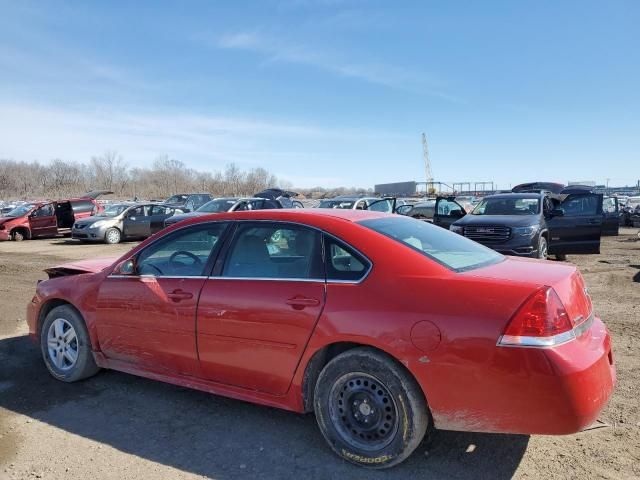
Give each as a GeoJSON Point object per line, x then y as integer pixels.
{"type": "Point", "coordinates": [529, 224]}
{"type": "Point", "coordinates": [188, 202]}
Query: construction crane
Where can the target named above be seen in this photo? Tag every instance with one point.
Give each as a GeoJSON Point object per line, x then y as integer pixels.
{"type": "Point", "coordinates": [427, 166]}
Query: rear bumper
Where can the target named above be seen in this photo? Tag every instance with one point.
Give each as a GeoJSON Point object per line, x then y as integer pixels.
{"type": "Point", "coordinates": [557, 390]}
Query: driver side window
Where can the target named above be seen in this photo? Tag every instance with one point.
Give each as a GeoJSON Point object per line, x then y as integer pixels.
{"type": "Point", "coordinates": [182, 254]}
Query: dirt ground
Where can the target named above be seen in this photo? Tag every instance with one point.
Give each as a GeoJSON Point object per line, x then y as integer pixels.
{"type": "Point", "coordinates": [118, 426]}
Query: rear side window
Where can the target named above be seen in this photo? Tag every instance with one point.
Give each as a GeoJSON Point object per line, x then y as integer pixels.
{"type": "Point", "coordinates": [449, 249]}
{"type": "Point", "coordinates": [343, 263]}
{"type": "Point", "coordinates": [580, 205]}
{"type": "Point", "coordinates": [275, 251]}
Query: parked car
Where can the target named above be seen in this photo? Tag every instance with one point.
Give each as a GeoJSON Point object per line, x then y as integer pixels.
{"type": "Point", "coordinates": [47, 219]}
{"type": "Point", "coordinates": [631, 208]}
{"type": "Point", "coordinates": [422, 210]}
{"type": "Point", "coordinates": [122, 221]}
{"type": "Point", "coordinates": [284, 197]}
{"type": "Point", "coordinates": [188, 202]}
{"type": "Point", "coordinates": [529, 224]}
{"type": "Point", "coordinates": [349, 202]}
{"type": "Point", "coordinates": [226, 204]}
{"type": "Point", "coordinates": [308, 311]}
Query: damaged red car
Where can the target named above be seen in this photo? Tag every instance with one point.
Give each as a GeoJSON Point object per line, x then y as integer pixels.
{"type": "Point", "coordinates": [382, 325]}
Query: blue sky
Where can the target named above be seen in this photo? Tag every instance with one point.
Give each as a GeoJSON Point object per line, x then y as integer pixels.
{"type": "Point", "coordinates": [329, 92]}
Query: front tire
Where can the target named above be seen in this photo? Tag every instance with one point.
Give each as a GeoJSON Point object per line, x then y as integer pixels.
{"type": "Point", "coordinates": [369, 409]}
{"type": "Point", "coordinates": [112, 236]}
{"type": "Point", "coordinates": [65, 345]}
{"type": "Point", "coordinates": [543, 249]}
{"type": "Point", "coordinates": [18, 236]}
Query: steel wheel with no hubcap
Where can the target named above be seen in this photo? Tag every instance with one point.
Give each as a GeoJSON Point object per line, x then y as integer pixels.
{"type": "Point", "coordinates": [363, 411]}
{"type": "Point", "coordinates": [62, 344]}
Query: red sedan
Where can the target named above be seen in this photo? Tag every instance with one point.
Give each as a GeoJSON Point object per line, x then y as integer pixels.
{"type": "Point", "coordinates": [382, 325]}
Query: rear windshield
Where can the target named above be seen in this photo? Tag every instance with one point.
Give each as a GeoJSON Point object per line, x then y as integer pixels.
{"type": "Point", "coordinates": [216, 206]}
{"type": "Point", "coordinates": [449, 249]}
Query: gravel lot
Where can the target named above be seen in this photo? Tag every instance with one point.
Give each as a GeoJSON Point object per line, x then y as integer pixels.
{"type": "Point", "coordinates": [119, 426]}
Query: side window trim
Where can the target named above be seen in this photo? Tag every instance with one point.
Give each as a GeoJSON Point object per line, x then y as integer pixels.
{"type": "Point", "coordinates": [229, 240]}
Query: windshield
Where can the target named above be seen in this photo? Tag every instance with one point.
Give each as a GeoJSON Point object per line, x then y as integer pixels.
{"type": "Point", "coordinates": [177, 199]}
{"type": "Point", "coordinates": [449, 249]}
{"type": "Point", "coordinates": [20, 211]}
{"type": "Point", "coordinates": [507, 206]}
{"type": "Point", "coordinates": [215, 206]}
{"type": "Point", "coordinates": [347, 204]}
{"type": "Point", "coordinates": [112, 210]}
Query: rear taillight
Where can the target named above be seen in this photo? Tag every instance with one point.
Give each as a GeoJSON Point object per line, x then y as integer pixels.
{"type": "Point", "coordinates": [541, 321]}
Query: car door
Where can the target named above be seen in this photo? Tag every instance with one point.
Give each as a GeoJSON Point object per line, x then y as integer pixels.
{"type": "Point", "coordinates": [611, 216]}
{"type": "Point", "coordinates": [43, 221]}
{"type": "Point", "coordinates": [576, 224]}
{"type": "Point", "coordinates": [147, 318]}
{"type": "Point", "coordinates": [257, 312]}
{"type": "Point", "coordinates": [447, 211]}
{"type": "Point", "coordinates": [137, 222]}
{"type": "Point", "coordinates": [157, 215]}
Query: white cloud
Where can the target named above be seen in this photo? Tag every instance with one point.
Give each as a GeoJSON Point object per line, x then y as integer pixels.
{"type": "Point", "coordinates": [277, 50]}
{"type": "Point", "coordinates": [297, 152]}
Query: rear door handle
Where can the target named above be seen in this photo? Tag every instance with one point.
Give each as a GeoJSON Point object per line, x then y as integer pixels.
{"type": "Point", "coordinates": [178, 295]}
{"type": "Point", "coordinates": [300, 302]}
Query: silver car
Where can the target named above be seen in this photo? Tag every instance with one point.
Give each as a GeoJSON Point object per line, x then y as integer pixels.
{"type": "Point", "coordinates": [122, 221]}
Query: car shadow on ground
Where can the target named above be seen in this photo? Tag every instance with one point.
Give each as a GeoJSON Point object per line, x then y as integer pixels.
{"type": "Point", "coordinates": [219, 437]}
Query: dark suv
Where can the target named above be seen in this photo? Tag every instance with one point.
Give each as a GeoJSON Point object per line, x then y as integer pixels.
{"type": "Point", "coordinates": [529, 224]}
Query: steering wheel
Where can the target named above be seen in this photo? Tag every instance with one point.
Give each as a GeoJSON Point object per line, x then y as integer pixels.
{"type": "Point", "coordinates": [151, 265]}
{"type": "Point", "coordinates": [174, 255]}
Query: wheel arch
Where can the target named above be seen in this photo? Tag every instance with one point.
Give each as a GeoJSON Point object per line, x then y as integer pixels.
{"type": "Point", "coordinates": [23, 229]}
{"type": "Point", "coordinates": [325, 354]}
{"type": "Point", "coordinates": [50, 305]}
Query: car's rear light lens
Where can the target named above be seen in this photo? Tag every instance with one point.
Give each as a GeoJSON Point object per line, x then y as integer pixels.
{"type": "Point", "coordinates": [541, 321]}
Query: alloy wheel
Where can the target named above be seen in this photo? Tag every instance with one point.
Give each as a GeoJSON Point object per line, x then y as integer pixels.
{"type": "Point", "coordinates": [62, 344]}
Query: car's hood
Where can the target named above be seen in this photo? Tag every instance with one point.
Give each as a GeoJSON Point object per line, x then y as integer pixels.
{"type": "Point", "coordinates": [6, 219]}
{"type": "Point", "coordinates": [506, 220]}
{"type": "Point", "coordinates": [93, 265]}
{"type": "Point", "coordinates": [93, 219]}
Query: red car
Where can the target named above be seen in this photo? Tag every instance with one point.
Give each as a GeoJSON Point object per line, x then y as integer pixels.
{"type": "Point", "coordinates": [47, 219]}
{"type": "Point", "coordinates": [382, 325]}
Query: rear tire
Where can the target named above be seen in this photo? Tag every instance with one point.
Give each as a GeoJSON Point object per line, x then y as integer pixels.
{"type": "Point", "coordinates": [65, 345]}
{"type": "Point", "coordinates": [112, 236]}
{"type": "Point", "coordinates": [370, 409]}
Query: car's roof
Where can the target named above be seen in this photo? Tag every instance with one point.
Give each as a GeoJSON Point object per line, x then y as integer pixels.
{"type": "Point", "coordinates": [301, 215]}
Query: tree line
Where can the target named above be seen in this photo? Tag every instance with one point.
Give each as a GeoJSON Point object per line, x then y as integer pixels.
{"type": "Point", "coordinates": [166, 176]}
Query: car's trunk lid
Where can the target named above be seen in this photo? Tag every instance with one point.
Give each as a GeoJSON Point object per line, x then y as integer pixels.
{"type": "Point", "coordinates": [565, 279]}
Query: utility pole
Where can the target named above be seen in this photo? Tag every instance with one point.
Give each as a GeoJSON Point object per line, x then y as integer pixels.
{"type": "Point", "coordinates": [427, 164]}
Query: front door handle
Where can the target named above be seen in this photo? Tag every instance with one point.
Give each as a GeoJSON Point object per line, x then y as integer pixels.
{"type": "Point", "coordinates": [301, 302]}
{"type": "Point", "coordinates": [179, 295]}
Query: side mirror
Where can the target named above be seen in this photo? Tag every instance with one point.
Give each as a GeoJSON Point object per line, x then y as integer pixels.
{"type": "Point", "coordinates": [557, 212]}
{"type": "Point", "coordinates": [128, 267]}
